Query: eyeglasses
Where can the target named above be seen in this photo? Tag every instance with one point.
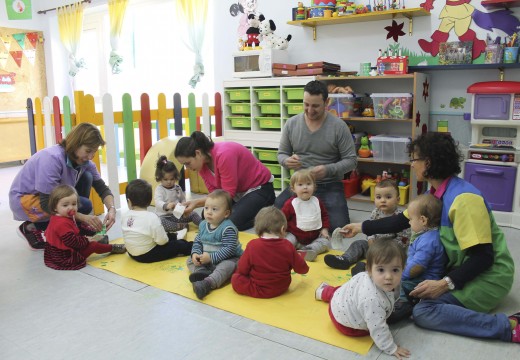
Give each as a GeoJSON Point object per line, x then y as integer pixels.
{"type": "Point", "coordinates": [414, 160]}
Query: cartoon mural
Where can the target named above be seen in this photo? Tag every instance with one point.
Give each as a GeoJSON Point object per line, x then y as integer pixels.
{"type": "Point", "coordinates": [246, 8]}
{"type": "Point", "coordinates": [458, 15]}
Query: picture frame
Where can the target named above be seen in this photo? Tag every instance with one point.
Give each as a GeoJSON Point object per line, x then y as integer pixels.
{"type": "Point", "coordinates": [455, 52]}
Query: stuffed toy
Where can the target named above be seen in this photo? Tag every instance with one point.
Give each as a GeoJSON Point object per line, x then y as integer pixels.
{"type": "Point", "coordinates": [253, 31]}
{"type": "Point", "coordinates": [269, 39]}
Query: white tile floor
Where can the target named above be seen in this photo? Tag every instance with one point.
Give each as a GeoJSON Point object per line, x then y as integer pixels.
{"type": "Point", "coordinates": [94, 314]}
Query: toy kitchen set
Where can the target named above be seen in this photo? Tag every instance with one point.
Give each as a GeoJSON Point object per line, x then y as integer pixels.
{"type": "Point", "coordinates": [494, 154]}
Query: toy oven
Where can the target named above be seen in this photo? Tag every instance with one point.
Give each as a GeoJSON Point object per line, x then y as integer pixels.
{"type": "Point", "coordinates": [257, 63]}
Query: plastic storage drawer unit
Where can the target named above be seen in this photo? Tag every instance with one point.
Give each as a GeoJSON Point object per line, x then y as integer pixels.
{"type": "Point", "coordinates": [266, 155]}
{"type": "Point", "coordinates": [266, 122]}
{"type": "Point", "coordinates": [240, 108]}
{"type": "Point", "coordinates": [390, 148]}
{"type": "Point", "coordinates": [239, 94]}
{"type": "Point", "coordinates": [294, 93]}
{"type": "Point", "coordinates": [240, 121]}
{"type": "Point", "coordinates": [294, 109]}
{"type": "Point", "coordinates": [268, 93]}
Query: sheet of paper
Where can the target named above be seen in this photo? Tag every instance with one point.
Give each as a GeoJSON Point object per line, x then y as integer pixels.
{"type": "Point", "coordinates": [178, 211]}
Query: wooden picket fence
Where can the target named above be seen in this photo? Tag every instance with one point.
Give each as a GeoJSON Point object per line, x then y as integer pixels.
{"type": "Point", "coordinates": [50, 122]}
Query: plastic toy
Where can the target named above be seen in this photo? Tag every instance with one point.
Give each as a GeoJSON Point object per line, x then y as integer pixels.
{"type": "Point", "coordinates": [364, 149]}
{"type": "Point", "coordinates": [368, 112]}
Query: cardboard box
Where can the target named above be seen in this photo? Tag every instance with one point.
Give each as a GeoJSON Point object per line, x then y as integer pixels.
{"type": "Point", "coordinates": [314, 71]}
{"type": "Point", "coordinates": [283, 72]}
{"type": "Point", "coordinates": [396, 65]}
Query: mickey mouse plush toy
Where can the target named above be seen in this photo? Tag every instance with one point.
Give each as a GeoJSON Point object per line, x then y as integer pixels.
{"type": "Point", "coordinates": [253, 31]}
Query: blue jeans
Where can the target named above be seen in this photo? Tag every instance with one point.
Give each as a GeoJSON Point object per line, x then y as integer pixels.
{"type": "Point", "coordinates": [245, 210]}
{"type": "Point", "coordinates": [447, 314]}
{"type": "Point", "coordinates": [332, 196]}
{"type": "Point", "coordinates": [83, 187]}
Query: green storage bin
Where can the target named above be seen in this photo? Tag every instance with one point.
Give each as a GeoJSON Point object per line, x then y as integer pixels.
{"type": "Point", "coordinates": [269, 108]}
{"type": "Point", "coordinates": [240, 108]}
{"type": "Point", "coordinates": [277, 184]}
{"type": "Point", "coordinates": [268, 93]}
{"type": "Point", "coordinates": [294, 93]}
{"type": "Point", "coordinates": [240, 122]}
{"type": "Point", "coordinates": [294, 108]}
{"type": "Point", "coordinates": [238, 94]}
{"type": "Point", "coordinates": [266, 155]}
{"type": "Point", "coordinates": [266, 122]}
{"type": "Point", "coordinates": [275, 169]}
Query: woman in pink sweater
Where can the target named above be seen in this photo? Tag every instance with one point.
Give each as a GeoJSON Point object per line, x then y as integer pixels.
{"type": "Point", "coordinates": [231, 167]}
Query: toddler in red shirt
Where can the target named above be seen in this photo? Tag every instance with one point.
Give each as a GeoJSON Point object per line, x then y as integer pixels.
{"type": "Point", "coordinates": [264, 269]}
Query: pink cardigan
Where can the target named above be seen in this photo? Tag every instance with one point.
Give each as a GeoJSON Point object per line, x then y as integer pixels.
{"type": "Point", "coordinates": [236, 169]}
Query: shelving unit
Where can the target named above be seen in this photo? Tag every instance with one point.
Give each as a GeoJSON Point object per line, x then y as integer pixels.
{"type": "Point", "coordinates": [371, 16]}
{"type": "Point", "coordinates": [500, 67]}
{"type": "Point", "coordinates": [262, 110]}
{"type": "Point", "coordinates": [490, 4]}
{"type": "Point", "coordinates": [409, 83]}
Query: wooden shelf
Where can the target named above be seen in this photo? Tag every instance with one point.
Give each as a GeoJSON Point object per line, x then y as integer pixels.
{"type": "Point", "coordinates": [379, 77]}
{"type": "Point", "coordinates": [371, 160]}
{"type": "Point", "coordinates": [371, 119]}
{"type": "Point", "coordinates": [371, 16]}
{"type": "Point", "coordinates": [463, 67]}
{"type": "Point", "coordinates": [489, 4]}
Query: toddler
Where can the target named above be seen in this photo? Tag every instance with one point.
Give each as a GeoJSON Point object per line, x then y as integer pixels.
{"type": "Point", "coordinates": [264, 269]}
{"type": "Point", "coordinates": [307, 218]}
{"type": "Point", "coordinates": [167, 195]}
{"type": "Point", "coordinates": [216, 248]}
{"type": "Point", "coordinates": [386, 199]}
{"type": "Point", "coordinates": [426, 256]}
{"type": "Point", "coordinates": [361, 306]}
{"type": "Point", "coordinates": [66, 248]}
{"type": "Point", "coordinates": [145, 238]}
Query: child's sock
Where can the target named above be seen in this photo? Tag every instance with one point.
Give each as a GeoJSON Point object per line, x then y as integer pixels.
{"type": "Point", "coordinates": [202, 288]}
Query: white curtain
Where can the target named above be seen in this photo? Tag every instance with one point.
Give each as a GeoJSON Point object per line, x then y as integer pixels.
{"type": "Point", "coordinates": [192, 15]}
{"type": "Point", "coordinates": [70, 22]}
{"type": "Point", "coordinates": [116, 11]}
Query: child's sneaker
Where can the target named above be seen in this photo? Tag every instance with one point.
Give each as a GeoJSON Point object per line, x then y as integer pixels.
{"type": "Point", "coordinates": [319, 290]}
{"type": "Point", "coordinates": [308, 254]}
{"type": "Point", "coordinates": [337, 262]}
{"type": "Point", "coordinates": [118, 249]}
{"type": "Point", "coordinates": [201, 288]}
{"type": "Point", "coordinates": [34, 237]}
{"type": "Point", "coordinates": [358, 268]}
{"type": "Point", "coordinates": [515, 333]}
{"type": "Point", "coordinates": [336, 240]}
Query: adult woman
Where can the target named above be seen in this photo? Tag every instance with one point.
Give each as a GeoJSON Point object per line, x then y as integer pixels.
{"type": "Point", "coordinates": [66, 163]}
{"type": "Point", "coordinates": [231, 167]}
{"type": "Point", "coordinates": [480, 268]}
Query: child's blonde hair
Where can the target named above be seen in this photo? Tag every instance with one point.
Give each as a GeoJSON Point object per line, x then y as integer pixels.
{"type": "Point", "coordinates": [302, 176]}
{"type": "Point", "coordinates": [58, 193]}
{"type": "Point", "coordinates": [430, 207]}
{"type": "Point", "coordinates": [270, 220]}
{"type": "Point", "coordinates": [223, 195]}
{"type": "Point", "coordinates": [383, 251]}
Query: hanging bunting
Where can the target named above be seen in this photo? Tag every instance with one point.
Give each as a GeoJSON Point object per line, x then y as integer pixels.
{"type": "Point", "coordinates": [6, 40]}
{"type": "Point", "coordinates": [17, 57]}
{"type": "Point", "coordinates": [20, 39]}
{"type": "Point", "coordinates": [4, 55]}
{"type": "Point", "coordinates": [30, 54]}
{"type": "Point", "coordinates": [7, 82]}
{"type": "Point", "coordinates": [33, 38]}
{"type": "Point", "coordinates": [18, 9]}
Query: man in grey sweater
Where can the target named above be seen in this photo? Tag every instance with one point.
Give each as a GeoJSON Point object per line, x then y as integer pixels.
{"type": "Point", "coordinates": [318, 140]}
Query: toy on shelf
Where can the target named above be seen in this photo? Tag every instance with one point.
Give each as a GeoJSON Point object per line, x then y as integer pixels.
{"type": "Point", "coordinates": [364, 149]}
{"type": "Point", "coordinates": [396, 65]}
{"type": "Point", "coordinates": [300, 12]}
{"type": "Point", "coordinates": [270, 40]}
{"type": "Point", "coordinates": [253, 32]}
{"type": "Point", "coordinates": [379, 5]}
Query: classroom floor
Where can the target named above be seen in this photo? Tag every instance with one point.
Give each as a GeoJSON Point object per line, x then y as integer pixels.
{"type": "Point", "coordinates": [94, 314]}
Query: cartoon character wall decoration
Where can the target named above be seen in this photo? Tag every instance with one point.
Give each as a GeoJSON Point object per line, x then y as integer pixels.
{"type": "Point", "coordinates": [458, 16]}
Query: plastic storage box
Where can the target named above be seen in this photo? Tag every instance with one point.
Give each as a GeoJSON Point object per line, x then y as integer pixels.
{"type": "Point", "coordinates": [269, 108]}
{"type": "Point", "coordinates": [239, 94]}
{"type": "Point", "coordinates": [268, 93]}
{"type": "Point", "coordinates": [275, 169]}
{"type": "Point", "coordinates": [294, 108]}
{"type": "Point", "coordinates": [391, 148]}
{"type": "Point", "coordinates": [392, 106]}
{"type": "Point", "coordinates": [345, 105]}
{"type": "Point", "coordinates": [266, 122]}
{"type": "Point", "coordinates": [266, 155]}
{"type": "Point", "coordinates": [240, 121]}
{"type": "Point", "coordinates": [240, 108]}
{"type": "Point", "coordinates": [294, 93]}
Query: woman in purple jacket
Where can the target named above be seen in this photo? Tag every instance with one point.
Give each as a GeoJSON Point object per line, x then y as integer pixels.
{"type": "Point", "coordinates": [231, 167]}
{"type": "Point", "coordinates": [66, 163]}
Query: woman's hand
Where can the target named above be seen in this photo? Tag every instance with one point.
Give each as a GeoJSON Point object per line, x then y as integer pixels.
{"type": "Point", "coordinates": [401, 353]}
{"type": "Point", "coordinates": [351, 230]}
{"type": "Point", "coordinates": [110, 218]}
{"type": "Point", "coordinates": [430, 289]}
{"type": "Point", "coordinates": [91, 220]}
{"type": "Point", "coordinates": [190, 206]}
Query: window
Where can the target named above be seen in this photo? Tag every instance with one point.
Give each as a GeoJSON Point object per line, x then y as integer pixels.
{"type": "Point", "coordinates": [155, 59]}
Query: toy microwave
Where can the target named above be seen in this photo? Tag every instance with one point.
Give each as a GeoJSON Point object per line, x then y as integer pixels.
{"type": "Point", "coordinates": [257, 63]}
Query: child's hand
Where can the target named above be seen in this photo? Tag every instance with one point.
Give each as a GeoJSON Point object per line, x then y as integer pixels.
{"type": "Point", "coordinates": [205, 259]}
{"type": "Point", "coordinates": [171, 205]}
{"type": "Point", "coordinates": [401, 353]}
{"type": "Point", "coordinates": [325, 233]}
{"type": "Point", "coordinates": [195, 258]}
